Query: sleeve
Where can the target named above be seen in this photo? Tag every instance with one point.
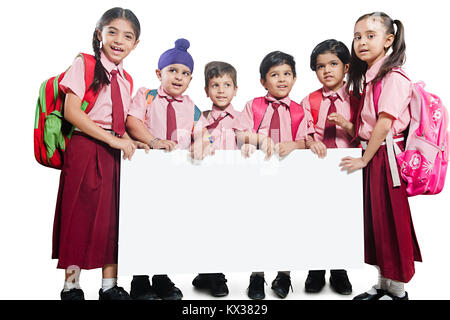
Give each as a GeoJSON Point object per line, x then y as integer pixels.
{"type": "Point", "coordinates": [74, 78]}
{"type": "Point", "coordinates": [244, 122]}
{"type": "Point", "coordinates": [138, 106]}
{"type": "Point", "coordinates": [396, 93]}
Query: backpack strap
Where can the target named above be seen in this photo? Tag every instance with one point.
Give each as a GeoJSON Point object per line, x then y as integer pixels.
{"type": "Point", "coordinates": [297, 115]}
{"type": "Point", "coordinates": [89, 69]}
{"type": "Point", "coordinates": [130, 80]}
{"type": "Point", "coordinates": [315, 100]}
{"type": "Point", "coordinates": [259, 107]}
{"type": "Point", "coordinates": [377, 87]}
{"type": "Point", "coordinates": [206, 113]}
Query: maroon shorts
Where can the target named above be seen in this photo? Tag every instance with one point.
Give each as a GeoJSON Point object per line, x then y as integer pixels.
{"type": "Point", "coordinates": [389, 237]}
{"type": "Point", "coordinates": [85, 230]}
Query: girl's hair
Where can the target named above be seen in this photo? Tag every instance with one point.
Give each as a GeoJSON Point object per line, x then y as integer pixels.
{"type": "Point", "coordinates": [333, 46]}
{"type": "Point", "coordinates": [276, 58]}
{"type": "Point", "coordinates": [397, 58]}
{"type": "Point", "coordinates": [216, 69]}
{"type": "Point", "coordinates": [100, 74]}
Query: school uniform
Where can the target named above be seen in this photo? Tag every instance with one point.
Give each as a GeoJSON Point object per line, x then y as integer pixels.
{"type": "Point", "coordinates": [220, 124]}
{"type": "Point", "coordinates": [85, 231]}
{"type": "Point", "coordinates": [343, 107]}
{"type": "Point", "coordinates": [389, 237]}
{"type": "Point", "coordinates": [245, 121]}
{"type": "Point", "coordinates": [154, 116]}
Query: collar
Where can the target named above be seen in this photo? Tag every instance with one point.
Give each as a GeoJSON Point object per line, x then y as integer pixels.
{"type": "Point", "coordinates": [163, 94]}
{"type": "Point", "coordinates": [340, 93]}
{"type": "Point", "coordinates": [217, 112]}
{"type": "Point", "coordinates": [373, 71]}
{"type": "Point", "coordinates": [286, 101]}
{"type": "Point", "coordinates": [109, 65]}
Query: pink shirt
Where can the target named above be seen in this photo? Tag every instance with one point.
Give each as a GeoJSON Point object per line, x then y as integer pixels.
{"type": "Point", "coordinates": [223, 135]}
{"type": "Point", "coordinates": [343, 107]}
{"type": "Point", "coordinates": [245, 121]}
{"type": "Point", "coordinates": [396, 93]}
{"type": "Point", "coordinates": [154, 115]}
{"type": "Point", "coordinates": [101, 113]}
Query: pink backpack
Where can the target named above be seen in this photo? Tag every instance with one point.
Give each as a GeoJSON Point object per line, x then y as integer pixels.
{"type": "Point", "coordinates": [423, 164]}
{"type": "Point", "coordinates": [259, 107]}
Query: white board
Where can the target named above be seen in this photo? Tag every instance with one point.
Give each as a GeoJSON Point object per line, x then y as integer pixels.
{"type": "Point", "coordinates": [230, 214]}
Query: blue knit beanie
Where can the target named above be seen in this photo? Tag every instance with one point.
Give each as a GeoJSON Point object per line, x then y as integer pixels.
{"type": "Point", "coordinates": [177, 55]}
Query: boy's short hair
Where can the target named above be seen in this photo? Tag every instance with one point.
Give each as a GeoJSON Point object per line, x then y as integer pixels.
{"type": "Point", "coordinates": [216, 69]}
{"type": "Point", "coordinates": [333, 46]}
{"type": "Point", "coordinates": [276, 58]}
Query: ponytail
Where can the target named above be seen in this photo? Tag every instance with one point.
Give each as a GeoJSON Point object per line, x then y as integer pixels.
{"type": "Point", "coordinates": [100, 73]}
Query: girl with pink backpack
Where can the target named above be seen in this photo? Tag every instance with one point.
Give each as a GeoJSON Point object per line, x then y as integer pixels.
{"type": "Point", "coordinates": [389, 238]}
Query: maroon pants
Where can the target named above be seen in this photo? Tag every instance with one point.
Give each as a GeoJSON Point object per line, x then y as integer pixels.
{"type": "Point", "coordinates": [85, 230]}
{"type": "Point", "coordinates": [389, 237]}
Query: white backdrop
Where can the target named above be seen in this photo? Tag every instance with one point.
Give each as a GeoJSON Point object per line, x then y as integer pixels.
{"type": "Point", "coordinates": [41, 38]}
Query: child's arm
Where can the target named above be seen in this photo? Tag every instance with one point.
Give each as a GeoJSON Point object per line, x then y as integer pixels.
{"type": "Point", "coordinates": [316, 147]}
{"type": "Point", "coordinates": [138, 144]}
{"type": "Point", "coordinates": [340, 121]}
{"type": "Point", "coordinates": [379, 133]}
{"type": "Point", "coordinates": [78, 118]}
{"type": "Point", "coordinates": [139, 132]}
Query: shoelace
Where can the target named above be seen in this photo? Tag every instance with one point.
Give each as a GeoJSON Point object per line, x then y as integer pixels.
{"type": "Point", "coordinates": [285, 280]}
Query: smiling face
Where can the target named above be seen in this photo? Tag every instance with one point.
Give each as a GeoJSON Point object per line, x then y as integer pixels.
{"type": "Point", "coordinates": [330, 70]}
{"type": "Point", "coordinates": [118, 39]}
{"type": "Point", "coordinates": [221, 91]}
{"type": "Point", "coordinates": [175, 79]}
{"type": "Point", "coordinates": [371, 41]}
{"type": "Point", "coordinates": [279, 81]}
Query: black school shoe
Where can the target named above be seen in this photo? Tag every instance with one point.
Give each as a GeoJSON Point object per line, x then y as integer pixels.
{"type": "Point", "coordinates": [72, 294]}
{"type": "Point", "coordinates": [115, 293]}
{"type": "Point", "coordinates": [256, 287]}
{"type": "Point", "coordinates": [141, 289]}
{"type": "Point", "coordinates": [369, 297]}
{"type": "Point", "coordinates": [281, 285]}
{"type": "Point", "coordinates": [390, 296]}
{"type": "Point", "coordinates": [165, 288]}
{"type": "Point", "coordinates": [215, 283]}
{"type": "Point", "coordinates": [315, 281]}
{"type": "Point", "coordinates": [339, 282]}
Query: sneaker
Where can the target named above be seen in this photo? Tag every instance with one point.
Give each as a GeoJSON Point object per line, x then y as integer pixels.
{"type": "Point", "coordinates": [141, 289]}
{"type": "Point", "coordinates": [115, 293]}
{"type": "Point", "coordinates": [315, 281]}
{"type": "Point", "coordinates": [339, 282]}
{"type": "Point", "coordinates": [165, 288]}
{"type": "Point", "coordinates": [256, 287]}
{"type": "Point", "coordinates": [72, 294]}
{"type": "Point", "coordinates": [281, 285]}
{"type": "Point", "coordinates": [215, 283]}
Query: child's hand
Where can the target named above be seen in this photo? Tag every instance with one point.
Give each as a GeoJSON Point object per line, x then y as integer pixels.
{"type": "Point", "coordinates": [167, 145]}
{"type": "Point", "coordinates": [350, 164]}
{"type": "Point", "coordinates": [318, 148]}
{"type": "Point", "coordinates": [201, 149]}
{"type": "Point", "coordinates": [141, 145]}
{"type": "Point", "coordinates": [285, 148]}
{"type": "Point", "coordinates": [247, 150]}
{"type": "Point", "coordinates": [338, 120]}
{"type": "Point", "coordinates": [124, 144]}
{"type": "Point", "coordinates": [268, 146]}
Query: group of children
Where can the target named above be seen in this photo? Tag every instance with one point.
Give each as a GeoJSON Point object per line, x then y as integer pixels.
{"type": "Point", "coordinates": [339, 115]}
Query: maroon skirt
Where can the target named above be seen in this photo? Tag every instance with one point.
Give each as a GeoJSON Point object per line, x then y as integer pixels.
{"type": "Point", "coordinates": [389, 237]}
{"type": "Point", "coordinates": [85, 229]}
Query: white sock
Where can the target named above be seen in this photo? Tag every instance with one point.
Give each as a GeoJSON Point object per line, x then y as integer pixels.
{"type": "Point", "coordinates": [383, 283]}
{"type": "Point", "coordinates": [108, 283]}
{"type": "Point", "coordinates": [397, 288]}
{"type": "Point", "coordinates": [71, 285]}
